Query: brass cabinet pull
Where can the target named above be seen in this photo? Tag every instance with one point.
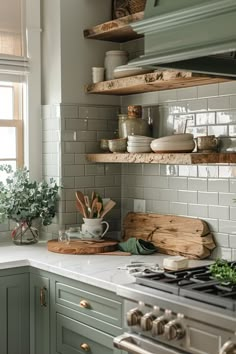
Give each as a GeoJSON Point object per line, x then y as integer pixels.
{"type": "Point", "coordinates": [85, 347]}
{"type": "Point", "coordinates": [85, 304]}
{"type": "Point", "coordinates": [43, 297]}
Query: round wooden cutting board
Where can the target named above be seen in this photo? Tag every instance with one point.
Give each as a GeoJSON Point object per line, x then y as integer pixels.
{"type": "Point", "coordinates": [82, 247]}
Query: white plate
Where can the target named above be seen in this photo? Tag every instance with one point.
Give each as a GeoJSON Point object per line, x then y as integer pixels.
{"type": "Point", "coordinates": [140, 138]}
{"type": "Point", "coordinates": [176, 137]}
{"type": "Point", "coordinates": [169, 146]}
{"type": "Point", "coordinates": [128, 70]}
{"type": "Point", "coordinates": [138, 149]}
{"type": "Point", "coordinates": [138, 144]}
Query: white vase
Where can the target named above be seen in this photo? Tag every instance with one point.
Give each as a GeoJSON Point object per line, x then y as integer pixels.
{"type": "Point", "coordinates": [93, 228]}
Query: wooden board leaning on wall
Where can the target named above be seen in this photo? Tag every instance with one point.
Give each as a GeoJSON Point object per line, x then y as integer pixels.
{"type": "Point", "coordinates": [173, 235]}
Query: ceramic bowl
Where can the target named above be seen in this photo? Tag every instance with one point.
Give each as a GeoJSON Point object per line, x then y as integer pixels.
{"type": "Point", "coordinates": [140, 138]}
{"type": "Point", "coordinates": [104, 145]}
{"type": "Point", "coordinates": [172, 146]}
{"type": "Point", "coordinates": [138, 149]}
{"type": "Point", "coordinates": [176, 137]}
{"type": "Point", "coordinates": [117, 145]}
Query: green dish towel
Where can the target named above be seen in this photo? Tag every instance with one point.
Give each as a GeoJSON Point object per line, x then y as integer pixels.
{"type": "Point", "coordinates": [137, 246]}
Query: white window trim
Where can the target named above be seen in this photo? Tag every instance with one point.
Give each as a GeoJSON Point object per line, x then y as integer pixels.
{"type": "Point", "coordinates": [33, 122]}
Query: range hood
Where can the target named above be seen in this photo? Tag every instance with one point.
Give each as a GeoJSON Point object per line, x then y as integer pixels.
{"type": "Point", "coordinates": [196, 35]}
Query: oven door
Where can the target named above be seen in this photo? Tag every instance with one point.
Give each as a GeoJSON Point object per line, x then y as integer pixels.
{"type": "Point", "coordinates": [135, 344]}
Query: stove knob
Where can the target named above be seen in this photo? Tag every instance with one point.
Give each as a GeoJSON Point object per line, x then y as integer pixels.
{"type": "Point", "coordinates": [147, 321]}
{"type": "Point", "coordinates": [134, 317]}
{"type": "Point", "coordinates": [158, 325]}
{"type": "Point", "coordinates": [174, 330]}
{"type": "Point", "coordinates": [228, 348]}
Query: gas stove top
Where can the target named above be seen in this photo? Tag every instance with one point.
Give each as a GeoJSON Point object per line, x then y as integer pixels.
{"type": "Point", "coordinates": [194, 283]}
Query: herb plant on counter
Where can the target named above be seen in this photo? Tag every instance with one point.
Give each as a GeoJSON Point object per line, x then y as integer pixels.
{"type": "Point", "coordinates": [223, 272]}
{"type": "Point", "coordinates": [23, 200]}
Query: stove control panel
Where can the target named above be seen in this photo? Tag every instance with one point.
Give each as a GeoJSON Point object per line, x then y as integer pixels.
{"type": "Point", "coordinates": [157, 322]}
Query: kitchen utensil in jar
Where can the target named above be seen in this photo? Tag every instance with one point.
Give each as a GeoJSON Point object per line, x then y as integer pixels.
{"type": "Point", "coordinates": [108, 207]}
{"type": "Point", "coordinates": [93, 228]}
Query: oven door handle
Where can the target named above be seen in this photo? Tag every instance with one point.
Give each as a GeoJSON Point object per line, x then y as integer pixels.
{"type": "Point", "coordinates": [126, 342]}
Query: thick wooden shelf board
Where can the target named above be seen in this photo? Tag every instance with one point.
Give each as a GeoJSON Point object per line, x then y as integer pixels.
{"type": "Point", "coordinates": [168, 158]}
{"type": "Point", "coordinates": [156, 81]}
{"type": "Point", "coordinates": [116, 30]}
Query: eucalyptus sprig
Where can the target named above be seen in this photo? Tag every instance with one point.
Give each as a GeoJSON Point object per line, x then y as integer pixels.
{"type": "Point", "coordinates": [23, 200]}
{"type": "Point", "coordinates": [223, 271]}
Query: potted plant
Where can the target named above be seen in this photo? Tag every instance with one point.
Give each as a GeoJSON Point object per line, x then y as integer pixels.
{"type": "Point", "coordinates": [25, 201]}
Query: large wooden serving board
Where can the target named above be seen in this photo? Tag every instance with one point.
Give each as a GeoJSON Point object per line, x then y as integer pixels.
{"type": "Point", "coordinates": [82, 247]}
{"type": "Point", "coordinates": [174, 235]}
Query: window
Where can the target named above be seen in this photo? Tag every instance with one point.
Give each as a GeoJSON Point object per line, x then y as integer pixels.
{"type": "Point", "coordinates": [20, 100]}
{"type": "Point", "coordinates": [11, 124]}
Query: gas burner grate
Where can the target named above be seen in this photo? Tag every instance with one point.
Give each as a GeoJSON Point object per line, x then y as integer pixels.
{"type": "Point", "coordinates": [196, 284]}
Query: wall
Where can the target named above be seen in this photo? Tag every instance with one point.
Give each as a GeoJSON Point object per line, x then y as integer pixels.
{"type": "Point", "coordinates": [203, 191]}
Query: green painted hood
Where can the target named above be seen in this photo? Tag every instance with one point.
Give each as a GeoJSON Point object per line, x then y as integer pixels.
{"type": "Point", "coordinates": [197, 35]}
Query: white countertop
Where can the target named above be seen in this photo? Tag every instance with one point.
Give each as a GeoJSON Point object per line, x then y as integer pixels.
{"type": "Point", "coordinates": [98, 270]}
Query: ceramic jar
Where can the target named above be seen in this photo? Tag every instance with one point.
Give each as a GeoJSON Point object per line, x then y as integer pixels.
{"type": "Point", "coordinates": [121, 118]}
{"type": "Point", "coordinates": [114, 58]}
{"type": "Point", "coordinates": [134, 124]}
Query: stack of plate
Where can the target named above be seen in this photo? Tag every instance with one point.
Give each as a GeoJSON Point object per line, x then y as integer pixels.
{"type": "Point", "coordinates": [129, 70]}
{"type": "Point", "coordinates": [174, 143]}
{"type": "Point", "coordinates": [139, 143]}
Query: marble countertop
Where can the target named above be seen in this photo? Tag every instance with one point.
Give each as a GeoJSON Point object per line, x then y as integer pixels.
{"type": "Point", "coordinates": [98, 270]}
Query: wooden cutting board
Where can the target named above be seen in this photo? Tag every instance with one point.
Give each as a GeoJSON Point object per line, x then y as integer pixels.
{"type": "Point", "coordinates": [82, 247]}
{"type": "Point", "coordinates": [171, 234]}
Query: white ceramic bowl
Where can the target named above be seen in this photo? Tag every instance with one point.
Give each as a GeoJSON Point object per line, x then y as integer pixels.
{"type": "Point", "coordinates": [137, 149]}
{"type": "Point", "coordinates": [128, 70]}
{"type": "Point", "coordinates": [176, 137]}
{"type": "Point", "coordinates": [138, 144]}
{"type": "Point", "coordinates": [140, 138]}
{"type": "Point", "coordinates": [170, 146]}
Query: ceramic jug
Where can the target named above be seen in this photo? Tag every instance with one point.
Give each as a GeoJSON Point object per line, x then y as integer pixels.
{"type": "Point", "coordinates": [93, 228]}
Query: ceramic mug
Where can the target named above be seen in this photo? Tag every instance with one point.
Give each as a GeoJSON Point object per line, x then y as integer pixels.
{"type": "Point", "coordinates": [93, 228]}
{"type": "Point", "coordinates": [207, 143]}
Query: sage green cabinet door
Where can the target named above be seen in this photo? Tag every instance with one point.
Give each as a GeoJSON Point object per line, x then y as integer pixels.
{"type": "Point", "coordinates": [14, 314]}
{"type": "Point", "coordinates": [39, 315]}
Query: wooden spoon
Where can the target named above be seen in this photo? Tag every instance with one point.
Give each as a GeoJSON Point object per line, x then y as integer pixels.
{"type": "Point", "coordinates": [108, 207]}
{"type": "Point", "coordinates": [99, 208]}
{"type": "Point", "coordinates": [93, 207]}
{"type": "Point", "coordinates": [80, 199]}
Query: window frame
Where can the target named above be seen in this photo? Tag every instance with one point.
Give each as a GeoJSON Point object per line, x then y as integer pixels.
{"type": "Point", "coordinates": [16, 122]}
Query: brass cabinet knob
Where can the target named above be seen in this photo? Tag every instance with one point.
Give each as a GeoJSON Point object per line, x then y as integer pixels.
{"type": "Point", "coordinates": [158, 326]}
{"type": "Point", "coordinates": [173, 330]}
{"type": "Point", "coordinates": [85, 347]}
{"type": "Point", "coordinates": [85, 304]}
{"type": "Point", "coordinates": [147, 321]}
{"type": "Point", "coordinates": [134, 317]}
{"type": "Point", "coordinates": [228, 348]}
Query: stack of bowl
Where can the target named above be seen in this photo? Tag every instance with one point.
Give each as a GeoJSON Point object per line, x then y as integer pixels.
{"type": "Point", "coordinates": [139, 143]}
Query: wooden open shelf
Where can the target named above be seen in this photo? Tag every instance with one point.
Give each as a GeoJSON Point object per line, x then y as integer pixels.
{"type": "Point", "coordinates": [167, 158]}
{"type": "Point", "coordinates": [116, 30]}
{"type": "Point", "coordinates": [156, 81]}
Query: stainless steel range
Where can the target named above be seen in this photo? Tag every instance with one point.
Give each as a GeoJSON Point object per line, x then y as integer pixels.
{"type": "Point", "coordinates": [179, 312]}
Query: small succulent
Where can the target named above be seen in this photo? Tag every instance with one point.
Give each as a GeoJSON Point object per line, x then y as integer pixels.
{"type": "Point", "coordinates": [23, 200]}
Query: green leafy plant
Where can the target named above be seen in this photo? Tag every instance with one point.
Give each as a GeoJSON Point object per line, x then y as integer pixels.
{"type": "Point", "coordinates": [22, 200]}
{"type": "Point", "coordinates": [223, 271]}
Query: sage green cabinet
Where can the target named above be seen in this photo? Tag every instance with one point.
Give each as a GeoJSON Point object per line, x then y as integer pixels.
{"type": "Point", "coordinates": [39, 314]}
{"type": "Point", "coordinates": [14, 312]}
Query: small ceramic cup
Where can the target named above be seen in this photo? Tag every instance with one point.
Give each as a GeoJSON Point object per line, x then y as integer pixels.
{"type": "Point", "coordinates": [207, 143]}
{"type": "Point", "coordinates": [98, 74]}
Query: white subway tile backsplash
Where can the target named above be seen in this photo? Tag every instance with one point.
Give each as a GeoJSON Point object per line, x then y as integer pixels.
{"type": "Point", "coordinates": [94, 170]}
{"type": "Point", "coordinates": [205, 118]}
{"type": "Point", "coordinates": [197, 105]}
{"type": "Point", "coordinates": [178, 208]}
{"type": "Point", "coordinates": [178, 183]}
{"type": "Point", "coordinates": [227, 171]}
{"type": "Point", "coordinates": [232, 102]}
{"type": "Point", "coordinates": [226, 199]}
{"type": "Point", "coordinates": [112, 169]}
{"type": "Point", "coordinates": [188, 171]}
{"type": "Point", "coordinates": [151, 170]}
{"type": "Point", "coordinates": [219, 212]}
{"type": "Point", "coordinates": [135, 192]}
{"type": "Point", "coordinates": [150, 193]}
{"type": "Point", "coordinates": [168, 194]}
{"type": "Point", "coordinates": [218, 103]}
{"type": "Point", "coordinates": [221, 240]}
{"type": "Point", "coordinates": [187, 196]}
{"type": "Point", "coordinates": [76, 124]}
{"type": "Point", "coordinates": [198, 210]}
{"type": "Point", "coordinates": [74, 147]}
{"type": "Point", "coordinates": [83, 182]}
{"type": "Point", "coordinates": [218, 130]}
{"type": "Point", "coordinates": [232, 240]}
{"type": "Point", "coordinates": [232, 185]}
{"type": "Point", "coordinates": [227, 226]}
{"type": "Point", "coordinates": [225, 117]}
{"type": "Point", "coordinates": [156, 182]}
{"type": "Point", "coordinates": [69, 111]}
{"type": "Point", "coordinates": [218, 185]}
{"type": "Point", "coordinates": [208, 198]}
{"type": "Point", "coordinates": [160, 206]}
{"type": "Point", "coordinates": [213, 224]}
{"type": "Point", "coordinates": [208, 171]}
{"type": "Point", "coordinates": [227, 88]}
{"type": "Point", "coordinates": [223, 253]}
{"type": "Point", "coordinates": [188, 93]}
{"type": "Point", "coordinates": [169, 170]}
{"type": "Point", "coordinates": [169, 95]}
{"type": "Point", "coordinates": [208, 91]}
{"type": "Point", "coordinates": [199, 184]}
{"type": "Point", "coordinates": [233, 213]}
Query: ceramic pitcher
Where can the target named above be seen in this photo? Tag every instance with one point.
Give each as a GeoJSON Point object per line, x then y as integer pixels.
{"type": "Point", "coordinates": [93, 228]}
